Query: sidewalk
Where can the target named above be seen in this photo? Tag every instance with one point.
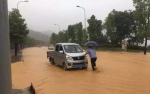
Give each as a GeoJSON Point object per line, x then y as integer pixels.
{"type": "Point", "coordinates": [14, 58]}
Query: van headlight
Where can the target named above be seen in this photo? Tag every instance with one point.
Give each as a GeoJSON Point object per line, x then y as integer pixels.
{"type": "Point", "coordinates": [68, 57]}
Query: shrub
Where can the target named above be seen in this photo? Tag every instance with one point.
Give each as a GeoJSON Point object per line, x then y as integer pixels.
{"type": "Point", "coordinates": [148, 47]}
{"type": "Point", "coordinates": [135, 47]}
{"type": "Point", "coordinates": [110, 45]}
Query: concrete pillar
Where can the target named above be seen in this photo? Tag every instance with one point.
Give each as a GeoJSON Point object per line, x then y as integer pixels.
{"type": "Point", "coordinates": [5, 63]}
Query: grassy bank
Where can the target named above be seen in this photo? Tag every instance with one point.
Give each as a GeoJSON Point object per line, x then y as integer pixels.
{"type": "Point", "coordinates": [116, 49]}
{"type": "Point", "coordinates": [119, 49]}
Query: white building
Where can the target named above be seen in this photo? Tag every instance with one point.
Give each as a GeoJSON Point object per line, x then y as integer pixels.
{"type": "Point", "coordinates": [148, 43]}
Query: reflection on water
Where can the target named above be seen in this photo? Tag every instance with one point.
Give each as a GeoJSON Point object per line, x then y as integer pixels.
{"type": "Point", "coordinates": [17, 58]}
{"type": "Point", "coordinates": [120, 73]}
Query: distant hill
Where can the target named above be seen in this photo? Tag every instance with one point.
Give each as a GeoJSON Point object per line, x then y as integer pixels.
{"type": "Point", "coordinates": [48, 33]}
{"type": "Point", "coordinates": [39, 35]}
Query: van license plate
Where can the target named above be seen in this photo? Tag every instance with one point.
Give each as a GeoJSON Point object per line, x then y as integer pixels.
{"type": "Point", "coordinates": [79, 66]}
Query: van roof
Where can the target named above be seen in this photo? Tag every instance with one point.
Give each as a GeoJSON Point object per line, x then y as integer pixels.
{"type": "Point", "coordinates": [67, 44]}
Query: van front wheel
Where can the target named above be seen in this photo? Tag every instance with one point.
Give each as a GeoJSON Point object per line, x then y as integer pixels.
{"type": "Point", "coordinates": [64, 66]}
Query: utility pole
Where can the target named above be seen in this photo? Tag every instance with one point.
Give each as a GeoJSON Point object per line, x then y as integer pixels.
{"type": "Point", "coordinates": [5, 65]}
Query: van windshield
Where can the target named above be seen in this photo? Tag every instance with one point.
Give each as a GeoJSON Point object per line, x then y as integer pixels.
{"type": "Point", "coordinates": [73, 49]}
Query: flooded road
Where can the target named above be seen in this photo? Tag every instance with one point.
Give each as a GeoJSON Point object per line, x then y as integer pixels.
{"type": "Point", "coordinates": [120, 73]}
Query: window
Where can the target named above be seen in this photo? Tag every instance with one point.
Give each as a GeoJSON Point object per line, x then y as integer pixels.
{"type": "Point", "coordinates": [78, 48]}
{"type": "Point", "coordinates": [61, 48]}
{"type": "Point", "coordinates": [57, 48]}
{"type": "Point", "coordinates": [73, 49]}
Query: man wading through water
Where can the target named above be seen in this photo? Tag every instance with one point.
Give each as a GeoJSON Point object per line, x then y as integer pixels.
{"type": "Point", "coordinates": [93, 57]}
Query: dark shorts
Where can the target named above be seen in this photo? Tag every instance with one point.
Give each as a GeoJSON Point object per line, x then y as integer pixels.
{"type": "Point", "coordinates": [93, 60]}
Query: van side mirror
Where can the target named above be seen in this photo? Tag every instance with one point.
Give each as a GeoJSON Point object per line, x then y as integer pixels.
{"type": "Point", "coordinates": [61, 52]}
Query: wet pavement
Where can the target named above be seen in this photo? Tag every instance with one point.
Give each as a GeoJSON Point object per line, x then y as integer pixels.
{"type": "Point", "coordinates": [120, 73]}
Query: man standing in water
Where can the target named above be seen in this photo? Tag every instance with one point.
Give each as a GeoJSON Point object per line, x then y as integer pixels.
{"type": "Point", "coordinates": [93, 57]}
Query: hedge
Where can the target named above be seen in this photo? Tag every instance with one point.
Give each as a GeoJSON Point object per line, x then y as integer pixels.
{"type": "Point", "coordinates": [135, 47]}
{"type": "Point", "coordinates": [118, 46]}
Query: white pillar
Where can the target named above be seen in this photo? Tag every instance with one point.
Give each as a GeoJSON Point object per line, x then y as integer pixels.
{"type": "Point", "coordinates": [5, 63]}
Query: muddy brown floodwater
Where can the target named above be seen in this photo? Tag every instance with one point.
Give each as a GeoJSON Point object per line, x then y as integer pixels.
{"type": "Point", "coordinates": [120, 73]}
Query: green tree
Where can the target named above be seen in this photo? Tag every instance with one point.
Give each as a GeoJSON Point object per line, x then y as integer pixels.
{"type": "Point", "coordinates": [66, 35]}
{"type": "Point", "coordinates": [142, 16]}
{"type": "Point", "coordinates": [18, 28]}
{"type": "Point", "coordinates": [124, 23]}
{"type": "Point", "coordinates": [61, 36]}
{"type": "Point", "coordinates": [53, 38]}
{"type": "Point", "coordinates": [85, 34]}
{"type": "Point", "coordinates": [75, 33]}
{"type": "Point", "coordinates": [109, 25]}
{"type": "Point", "coordinates": [79, 33]}
{"type": "Point", "coordinates": [120, 25]}
{"type": "Point", "coordinates": [95, 28]}
{"type": "Point", "coordinates": [71, 33]}
{"type": "Point", "coordinates": [30, 42]}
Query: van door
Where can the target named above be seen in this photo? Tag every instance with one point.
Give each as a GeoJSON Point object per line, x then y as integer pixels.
{"type": "Point", "coordinates": [56, 54]}
{"type": "Point", "coordinates": [61, 56]}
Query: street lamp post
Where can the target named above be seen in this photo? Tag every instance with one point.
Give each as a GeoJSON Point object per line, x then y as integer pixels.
{"type": "Point", "coordinates": [84, 20]}
{"type": "Point", "coordinates": [20, 2]}
{"type": "Point", "coordinates": [58, 26]}
{"type": "Point", "coordinates": [18, 10]}
{"type": "Point", "coordinates": [59, 30]}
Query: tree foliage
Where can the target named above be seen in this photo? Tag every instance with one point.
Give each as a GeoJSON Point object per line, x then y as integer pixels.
{"type": "Point", "coordinates": [142, 16]}
{"type": "Point", "coordinates": [132, 25]}
{"type": "Point", "coordinates": [120, 25]}
{"type": "Point", "coordinates": [95, 28]}
{"type": "Point", "coordinates": [79, 33]}
{"type": "Point", "coordinates": [18, 28]}
{"type": "Point", "coordinates": [53, 39]}
{"type": "Point", "coordinates": [110, 26]}
{"type": "Point", "coordinates": [73, 34]}
{"type": "Point", "coordinates": [30, 42]}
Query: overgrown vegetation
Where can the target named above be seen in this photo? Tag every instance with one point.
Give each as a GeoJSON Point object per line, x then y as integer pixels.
{"type": "Point", "coordinates": [18, 29]}
{"type": "Point", "coordinates": [19, 32]}
{"type": "Point", "coordinates": [132, 25]}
